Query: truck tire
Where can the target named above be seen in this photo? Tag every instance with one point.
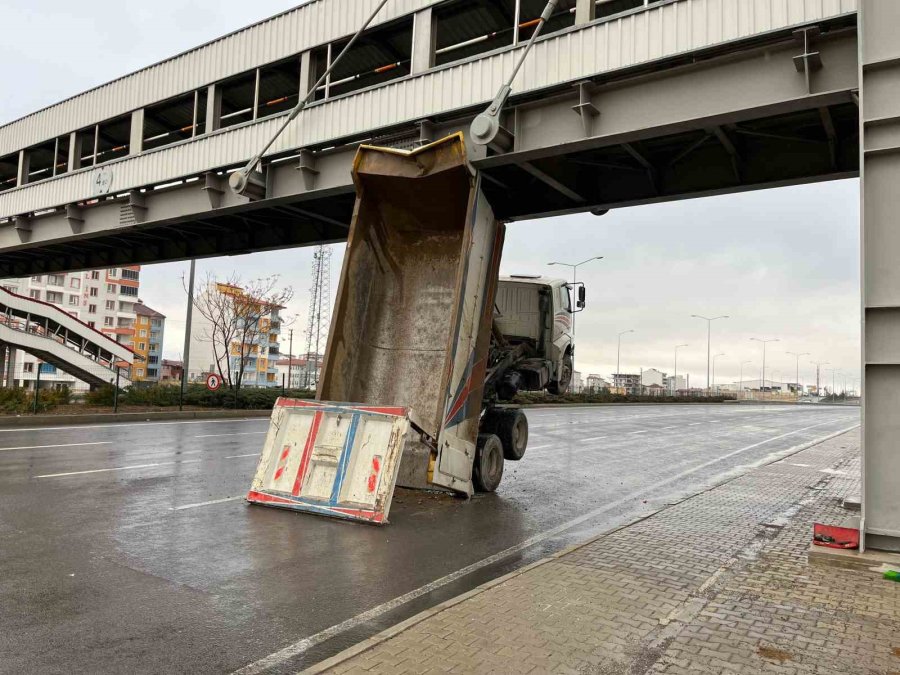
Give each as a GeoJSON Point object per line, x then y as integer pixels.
{"type": "Point", "coordinates": [488, 470]}
{"type": "Point", "coordinates": [561, 386]}
{"type": "Point", "coordinates": [512, 429]}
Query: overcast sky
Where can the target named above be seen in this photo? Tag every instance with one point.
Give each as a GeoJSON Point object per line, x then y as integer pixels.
{"type": "Point", "coordinates": [782, 263]}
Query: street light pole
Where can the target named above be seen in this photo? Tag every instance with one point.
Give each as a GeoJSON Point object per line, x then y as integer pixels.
{"type": "Point", "coordinates": [709, 342]}
{"type": "Point", "coordinates": [619, 353]}
{"type": "Point", "coordinates": [575, 267]}
{"type": "Point", "coordinates": [741, 387]}
{"type": "Point", "coordinates": [675, 378]}
{"type": "Point", "coordinates": [797, 374]}
{"type": "Point", "coordinates": [764, 341]}
{"type": "Point", "coordinates": [714, 369]}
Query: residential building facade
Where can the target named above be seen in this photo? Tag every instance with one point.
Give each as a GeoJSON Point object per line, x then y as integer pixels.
{"type": "Point", "coordinates": [171, 371]}
{"type": "Point", "coordinates": [103, 299]}
{"type": "Point", "coordinates": [149, 329]}
{"type": "Point", "coordinates": [300, 372]}
{"type": "Point", "coordinates": [595, 383]}
{"type": "Point", "coordinates": [257, 358]}
{"type": "Point", "coordinates": [627, 383]}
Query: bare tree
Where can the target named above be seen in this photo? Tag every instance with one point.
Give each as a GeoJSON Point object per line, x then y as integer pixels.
{"type": "Point", "coordinates": [238, 315]}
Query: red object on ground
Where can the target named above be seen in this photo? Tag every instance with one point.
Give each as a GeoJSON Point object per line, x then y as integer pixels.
{"type": "Point", "coordinates": [833, 536]}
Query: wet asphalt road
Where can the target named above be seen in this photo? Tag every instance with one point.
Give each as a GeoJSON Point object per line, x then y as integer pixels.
{"type": "Point", "coordinates": [112, 560]}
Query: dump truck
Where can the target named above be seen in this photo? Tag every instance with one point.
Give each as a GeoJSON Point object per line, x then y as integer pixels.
{"type": "Point", "coordinates": [423, 348]}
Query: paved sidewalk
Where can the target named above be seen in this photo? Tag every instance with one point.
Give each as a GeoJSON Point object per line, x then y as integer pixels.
{"type": "Point", "coordinates": [719, 583]}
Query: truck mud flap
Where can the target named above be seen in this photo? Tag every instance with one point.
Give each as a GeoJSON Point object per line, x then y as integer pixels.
{"type": "Point", "coordinates": [331, 459]}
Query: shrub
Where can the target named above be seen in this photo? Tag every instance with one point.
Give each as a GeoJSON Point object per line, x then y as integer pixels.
{"type": "Point", "coordinates": [535, 397]}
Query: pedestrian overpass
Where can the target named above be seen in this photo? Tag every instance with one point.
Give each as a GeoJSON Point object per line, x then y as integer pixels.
{"type": "Point", "coordinates": [622, 102]}
{"type": "Point", "coordinates": [56, 337]}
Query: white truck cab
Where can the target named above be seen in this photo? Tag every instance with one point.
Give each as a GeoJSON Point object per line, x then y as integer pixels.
{"type": "Point", "coordinates": [533, 314]}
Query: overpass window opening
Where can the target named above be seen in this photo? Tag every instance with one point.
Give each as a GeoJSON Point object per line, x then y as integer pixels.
{"type": "Point", "coordinates": [177, 119]}
{"type": "Point", "coordinates": [380, 55]}
{"type": "Point", "coordinates": [467, 28]}
{"type": "Point", "coordinates": [113, 138]}
{"type": "Point", "coordinates": [238, 96]}
{"type": "Point", "coordinates": [86, 145]}
{"type": "Point", "coordinates": [9, 170]}
{"type": "Point", "coordinates": [530, 13]}
{"type": "Point", "coordinates": [279, 87]}
{"type": "Point", "coordinates": [610, 7]}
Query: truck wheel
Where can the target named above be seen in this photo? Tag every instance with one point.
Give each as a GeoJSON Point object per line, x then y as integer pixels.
{"type": "Point", "coordinates": [513, 432]}
{"type": "Point", "coordinates": [561, 386]}
{"type": "Point", "coordinates": [488, 469]}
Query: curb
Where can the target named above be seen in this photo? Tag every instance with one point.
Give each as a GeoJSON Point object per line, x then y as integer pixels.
{"type": "Point", "coordinates": [388, 633]}
{"type": "Point", "coordinates": [118, 418]}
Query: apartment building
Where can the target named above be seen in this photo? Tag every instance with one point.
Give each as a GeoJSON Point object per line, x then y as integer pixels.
{"type": "Point", "coordinates": [103, 299]}
{"type": "Point", "coordinates": [149, 329]}
{"type": "Point", "coordinates": [257, 357]}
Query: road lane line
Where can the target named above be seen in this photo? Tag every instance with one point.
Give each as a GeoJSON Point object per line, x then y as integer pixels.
{"type": "Point", "coordinates": [58, 445]}
{"type": "Point", "coordinates": [305, 644]}
{"type": "Point", "coordinates": [209, 503]}
{"type": "Point", "coordinates": [240, 433]}
{"type": "Point", "coordinates": [118, 468]}
{"type": "Point", "coordinates": [136, 424]}
{"type": "Point", "coordinates": [592, 438]}
{"type": "Point", "coordinates": [695, 424]}
{"type": "Point", "coordinates": [671, 427]}
{"type": "Point", "coordinates": [254, 454]}
{"type": "Point", "coordinates": [640, 432]}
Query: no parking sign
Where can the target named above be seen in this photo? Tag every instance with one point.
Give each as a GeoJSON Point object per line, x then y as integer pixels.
{"type": "Point", "coordinates": [213, 382]}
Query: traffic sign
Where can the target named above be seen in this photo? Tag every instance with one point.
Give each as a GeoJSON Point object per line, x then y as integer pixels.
{"type": "Point", "coordinates": [213, 382]}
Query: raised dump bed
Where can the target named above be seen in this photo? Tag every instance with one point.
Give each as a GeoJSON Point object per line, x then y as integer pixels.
{"type": "Point", "coordinates": [408, 347]}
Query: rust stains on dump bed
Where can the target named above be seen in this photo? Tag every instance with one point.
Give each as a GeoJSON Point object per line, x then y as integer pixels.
{"type": "Point", "coordinates": [397, 298]}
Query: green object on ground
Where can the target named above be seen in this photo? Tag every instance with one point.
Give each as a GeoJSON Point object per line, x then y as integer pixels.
{"type": "Point", "coordinates": [892, 575]}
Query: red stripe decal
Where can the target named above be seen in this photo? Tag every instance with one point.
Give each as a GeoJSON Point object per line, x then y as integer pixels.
{"type": "Point", "coordinates": [282, 462]}
{"type": "Point", "coordinates": [459, 402]}
{"type": "Point", "coordinates": [373, 477]}
{"type": "Point", "coordinates": [307, 453]}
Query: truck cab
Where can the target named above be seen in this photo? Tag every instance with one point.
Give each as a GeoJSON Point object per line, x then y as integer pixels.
{"type": "Point", "coordinates": [533, 315]}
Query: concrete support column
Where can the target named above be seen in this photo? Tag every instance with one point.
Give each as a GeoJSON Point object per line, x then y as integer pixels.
{"type": "Point", "coordinates": [24, 168]}
{"type": "Point", "coordinates": [136, 142]}
{"type": "Point", "coordinates": [585, 11]}
{"type": "Point", "coordinates": [423, 44]}
{"type": "Point", "coordinates": [213, 108]}
{"type": "Point", "coordinates": [879, 24]}
{"type": "Point", "coordinates": [11, 367]}
{"type": "Point", "coordinates": [74, 151]}
{"type": "Point", "coordinates": [306, 73]}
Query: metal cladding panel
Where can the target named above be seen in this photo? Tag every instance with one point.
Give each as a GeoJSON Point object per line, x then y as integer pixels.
{"type": "Point", "coordinates": [331, 459]}
{"type": "Point", "coordinates": [658, 32]}
{"type": "Point", "coordinates": [288, 34]}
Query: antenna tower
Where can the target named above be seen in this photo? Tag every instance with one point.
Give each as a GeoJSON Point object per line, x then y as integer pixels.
{"type": "Point", "coordinates": [319, 314]}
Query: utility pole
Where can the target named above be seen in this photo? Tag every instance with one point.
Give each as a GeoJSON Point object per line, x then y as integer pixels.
{"type": "Point", "coordinates": [291, 358]}
{"type": "Point", "coordinates": [764, 341]}
{"type": "Point", "coordinates": [675, 378]}
{"type": "Point", "coordinates": [575, 267]}
{"type": "Point", "coordinates": [189, 315]}
{"type": "Point", "coordinates": [709, 342]}
{"type": "Point", "coordinates": [618, 355]}
{"type": "Point", "coordinates": [797, 374]}
{"type": "Point", "coordinates": [818, 365]}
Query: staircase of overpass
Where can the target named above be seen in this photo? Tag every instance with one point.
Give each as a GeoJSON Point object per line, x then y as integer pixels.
{"type": "Point", "coordinates": [55, 337]}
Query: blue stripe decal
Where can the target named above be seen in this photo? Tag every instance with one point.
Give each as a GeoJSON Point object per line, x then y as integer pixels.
{"type": "Point", "coordinates": [344, 460]}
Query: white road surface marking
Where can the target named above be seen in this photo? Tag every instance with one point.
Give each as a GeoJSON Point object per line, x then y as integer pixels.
{"type": "Point", "coordinates": [138, 424]}
{"type": "Point", "coordinates": [209, 503]}
{"type": "Point", "coordinates": [138, 466]}
{"type": "Point", "coordinates": [307, 643]}
{"type": "Point", "coordinates": [118, 468]}
{"type": "Point", "coordinates": [240, 433]}
{"type": "Point", "coordinates": [640, 432]}
{"type": "Point", "coordinates": [592, 438]}
{"type": "Point", "coordinates": [60, 445]}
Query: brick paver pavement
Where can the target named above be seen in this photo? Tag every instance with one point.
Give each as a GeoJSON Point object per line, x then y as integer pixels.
{"type": "Point", "coordinates": [719, 583]}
